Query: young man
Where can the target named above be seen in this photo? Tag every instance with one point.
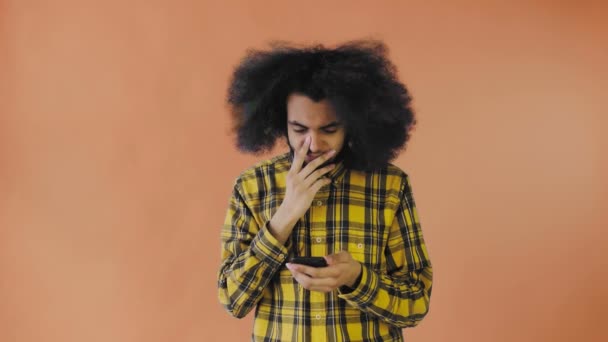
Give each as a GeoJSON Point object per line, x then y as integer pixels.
{"type": "Point", "coordinates": [335, 195]}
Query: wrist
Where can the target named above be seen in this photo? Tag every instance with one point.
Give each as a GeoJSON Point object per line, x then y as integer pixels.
{"type": "Point", "coordinates": [281, 224]}
{"type": "Point", "coordinates": [283, 216]}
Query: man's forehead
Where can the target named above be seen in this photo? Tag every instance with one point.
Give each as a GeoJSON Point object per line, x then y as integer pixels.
{"type": "Point", "coordinates": [306, 112]}
{"type": "Point", "coordinates": [321, 124]}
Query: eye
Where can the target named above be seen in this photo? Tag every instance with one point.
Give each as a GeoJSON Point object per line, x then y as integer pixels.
{"type": "Point", "coordinates": [330, 130]}
{"type": "Point", "coordinates": [299, 130]}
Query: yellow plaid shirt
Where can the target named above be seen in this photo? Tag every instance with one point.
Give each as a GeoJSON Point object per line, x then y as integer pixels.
{"type": "Point", "coordinates": [369, 214]}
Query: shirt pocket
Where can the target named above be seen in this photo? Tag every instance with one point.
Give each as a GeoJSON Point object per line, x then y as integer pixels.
{"type": "Point", "coordinates": [368, 250]}
{"type": "Point", "coordinates": [363, 252]}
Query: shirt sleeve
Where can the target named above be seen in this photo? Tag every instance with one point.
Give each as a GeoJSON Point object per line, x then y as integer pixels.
{"type": "Point", "coordinates": [250, 257]}
{"type": "Point", "coordinates": [400, 295]}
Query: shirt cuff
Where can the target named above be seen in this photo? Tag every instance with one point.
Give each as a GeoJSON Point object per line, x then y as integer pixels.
{"type": "Point", "coordinates": [267, 248]}
{"type": "Point", "coordinates": [365, 292]}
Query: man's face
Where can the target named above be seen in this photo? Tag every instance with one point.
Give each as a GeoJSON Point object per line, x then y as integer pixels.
{"type": "Point", "coordinates": [317, 120]}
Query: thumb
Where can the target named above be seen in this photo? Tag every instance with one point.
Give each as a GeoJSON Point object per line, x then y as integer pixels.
{"type": "Point", "coordinates": [337, 258]}
{"type": "Point", "coordinates": [331, 259]}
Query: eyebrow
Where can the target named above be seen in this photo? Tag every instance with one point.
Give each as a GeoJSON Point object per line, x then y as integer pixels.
{"type": "Point", "coordinates": [330, 125]}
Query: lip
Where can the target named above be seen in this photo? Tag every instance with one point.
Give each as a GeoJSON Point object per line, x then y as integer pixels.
{"type": "Point", "coordinates": [310, 158]}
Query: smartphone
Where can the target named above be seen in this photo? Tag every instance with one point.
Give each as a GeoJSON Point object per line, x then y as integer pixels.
{"type": "Point", "coordinates": [309, 261]}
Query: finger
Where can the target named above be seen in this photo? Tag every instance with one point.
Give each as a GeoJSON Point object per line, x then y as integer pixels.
{"type": "Point", "coordinates": [315, 284]}
{"type": "Point", "coordinates": [337, 258]}
{"type": "Point", "coordinates": [318, 174]}
{"type": "Point", "coordinates": [300, 155]}
{"type": "Point", "coordinates": [330, 259]}
{"type": "Point", "coordinates": [309, 271]}
{"type": "Point", "coordinates": [302, 278]}
{"type": "Point", "coordinates": [342, 256]}
{"type": "Point", "coordinates": [308, 169]}
{"type": "Point", "coordinates": [321, 182]}
{"type": "Point", "coordinates": [329, 272]}
{"type": "Point", "coordinates": [318, 284]}
{"type": "Point", "coordinates": [316, 272]}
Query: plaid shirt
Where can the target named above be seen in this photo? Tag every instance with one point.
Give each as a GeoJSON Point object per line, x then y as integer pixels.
{"type": "Point", "coordinates": [369, 214]}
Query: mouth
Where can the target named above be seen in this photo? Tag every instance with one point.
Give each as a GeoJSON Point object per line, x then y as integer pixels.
{"type": "Point", "coordinates": [311, 157]}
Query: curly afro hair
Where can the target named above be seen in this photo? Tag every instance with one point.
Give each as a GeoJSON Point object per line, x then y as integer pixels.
{"type": "Point", "coordinates": [356, 78]}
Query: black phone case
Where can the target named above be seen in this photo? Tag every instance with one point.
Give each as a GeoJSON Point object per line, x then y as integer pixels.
{"type": "Point", "coordinates": [309, 261]}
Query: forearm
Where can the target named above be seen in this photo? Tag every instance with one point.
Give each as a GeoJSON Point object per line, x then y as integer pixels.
{"type": "Point", "coordinates": [247, 270]}
{"type": "Point", "coordinates": [281, 224]}
{"type": "Point", "coordinates": [401, 301]}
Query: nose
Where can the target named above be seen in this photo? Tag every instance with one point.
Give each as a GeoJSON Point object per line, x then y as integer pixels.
{"type": "Point", "coordinates": [316, 143]}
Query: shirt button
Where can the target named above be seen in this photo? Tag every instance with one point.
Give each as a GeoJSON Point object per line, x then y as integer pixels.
{"type": "Point", "coordinates": [281, 256]}
{"type": "Point", "coordinates": [319, 240]}
{"type": "Point", "coordinates": [319, 203]}
{"type": "Point", "coordinates": [318, 316]}
{"type": "Point", "coordinates": [360, 246]}
{"type": "Point", "coordinates": [260, 288]}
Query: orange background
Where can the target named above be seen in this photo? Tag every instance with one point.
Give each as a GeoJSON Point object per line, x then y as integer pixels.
{"type": "Point", "coordinates": [116, 161]}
